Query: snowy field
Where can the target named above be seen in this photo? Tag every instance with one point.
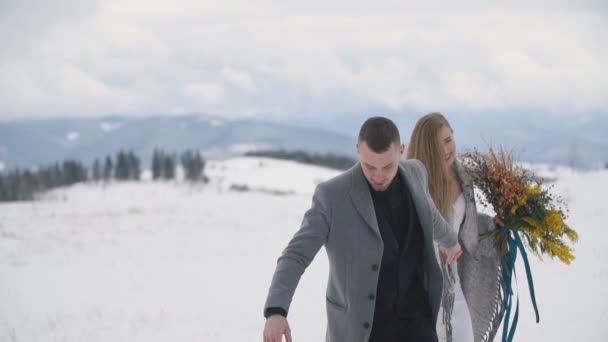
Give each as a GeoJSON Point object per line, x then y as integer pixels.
{"type": "Point", "coordinates": [154, 261]}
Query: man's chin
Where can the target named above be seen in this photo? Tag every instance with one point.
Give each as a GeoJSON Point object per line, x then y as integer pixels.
{"type": "Point", "coordinates": [379, 187]}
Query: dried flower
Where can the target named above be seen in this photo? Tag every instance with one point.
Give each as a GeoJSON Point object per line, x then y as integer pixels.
{"type": "Point", "coordinates": [521, 201]}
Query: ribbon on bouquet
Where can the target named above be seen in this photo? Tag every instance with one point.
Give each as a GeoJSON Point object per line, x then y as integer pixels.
{"type": "Point", "coordinates": [508, 273]}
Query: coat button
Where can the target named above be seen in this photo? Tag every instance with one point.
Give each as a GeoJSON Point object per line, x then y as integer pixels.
{"type": "Point", "coordinates": [371, 296]}
{"type": "Point", "coordinates": [366, 325]}
{"type": "Point", "coordinates": [375, 267]}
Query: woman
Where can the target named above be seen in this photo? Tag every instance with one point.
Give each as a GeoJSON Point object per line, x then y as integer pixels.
{"type": "Point", "coordinates": [472, 296]}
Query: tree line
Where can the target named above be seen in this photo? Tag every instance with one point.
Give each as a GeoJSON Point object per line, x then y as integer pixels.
{"type": "Point", "coordinates": [329, 160]}
{"type": "Point", "coordinates": [23, 185]}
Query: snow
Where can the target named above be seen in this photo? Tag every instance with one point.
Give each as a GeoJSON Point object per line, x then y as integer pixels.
{"type": "Point", "coordinates": [244, 148]}
{"type": "Point", "coordinates": [109, 127]}
{"type": "Point", "coordinates": [212, 120]}
{"type": "Point", "coordinates": [168, 261]}
{"type": "Point", "coordinates": [72, 136]}
{"type": "Point", "coordinates": [216, 123]}
{"type": "Point", "coordinates": [268, 174]}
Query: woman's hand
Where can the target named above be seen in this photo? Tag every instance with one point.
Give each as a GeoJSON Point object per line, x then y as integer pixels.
{"type": "Point", "coordinates": [450, 255]}
{"type": "Point", "coordinates": [499, 221]}
{"type": "Point", "coordinates": [443, 254]}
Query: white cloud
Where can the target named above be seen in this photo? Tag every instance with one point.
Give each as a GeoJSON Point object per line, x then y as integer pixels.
{"type": "Point", "coordinates": [205, 93]}
{"type": "Point", "coordinates": [234, 59]}
{"type": "Point", "coordinates": [241, 80]}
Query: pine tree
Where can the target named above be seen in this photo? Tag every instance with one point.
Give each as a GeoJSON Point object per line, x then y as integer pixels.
{"type": "Point", "coordinates": [133, 163]}
{"type": "Point", "coordinates": [193, 164]}
{"type": "Point", "coordinates": [15, 185]}
{"type": "Point", "coordinates": [96, 170]}
{"type": "Point", "coordinates": [157, 164]}
{"type": "Point", "coordinates": [108, 169]}
{"type": "Point", "coordinates": [186, 160]}
{"type": "Point", "coordinates": [45, 177]}
{"type": "Point", "coordinates": [68, 173]}
{"type": "Point", "coordinates": [73, 172]}
{"type": "Point", "coordinates": [3, 189]}
{"type": "Point", "coordinates": [27, 186]}
{"type": "Point", "coordinates": [169, 167]}
{"type": "Point", "coordinates": [19, 185]}
{"type": "Point", "coordinates": [122, 167]}
{"type": "Point", "coordinates": [56, 176]}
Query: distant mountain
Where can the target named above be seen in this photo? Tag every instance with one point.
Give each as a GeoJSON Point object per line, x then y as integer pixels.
{"type": "Point", "coordinates": [39, 142]}
{"type": "Point", "coordinates": [578, 142]}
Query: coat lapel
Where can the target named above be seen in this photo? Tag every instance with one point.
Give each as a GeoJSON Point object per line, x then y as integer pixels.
{"type": "Point", "coordinates": [469, 233]}
{"type": "Point", "coordinates": [362, 199]}
{"type": "Point", "coordinates": [418, 198]}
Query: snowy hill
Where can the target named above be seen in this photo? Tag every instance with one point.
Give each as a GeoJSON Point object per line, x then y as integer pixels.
{"type": "Point", "coordinates": [266, 174]}
{"type": "Point", "coordinates": [166, 261]}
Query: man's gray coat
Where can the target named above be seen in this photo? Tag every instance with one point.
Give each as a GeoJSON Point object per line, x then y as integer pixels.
{"type": "Point", "coordinates": [342, 218]}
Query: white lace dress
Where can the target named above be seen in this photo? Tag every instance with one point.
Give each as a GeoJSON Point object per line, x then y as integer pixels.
{"type": "Point", "coordinates": [461, 326]}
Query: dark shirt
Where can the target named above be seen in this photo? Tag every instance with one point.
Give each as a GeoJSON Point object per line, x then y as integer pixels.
{"type": "Point", "coordinates": [390, 205]}
{"type": "Point", "coordinates": [402, 311]}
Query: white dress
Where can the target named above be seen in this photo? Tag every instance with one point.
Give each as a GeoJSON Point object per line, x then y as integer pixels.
{"type": "Point", "coordinates": [462, 327]}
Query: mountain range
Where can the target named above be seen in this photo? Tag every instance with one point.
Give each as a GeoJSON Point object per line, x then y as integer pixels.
{"type": "Point", "coordinates": [40, 142]}
{"type": "Point", "coordinates": [27, 143]}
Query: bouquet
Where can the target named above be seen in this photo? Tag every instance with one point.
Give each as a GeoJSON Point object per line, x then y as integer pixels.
{"type": "Point", "coordinates": [533, 219]}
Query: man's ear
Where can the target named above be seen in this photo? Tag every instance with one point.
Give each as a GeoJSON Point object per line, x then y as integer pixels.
{"type": "Point", "coordinates": [402, 148]}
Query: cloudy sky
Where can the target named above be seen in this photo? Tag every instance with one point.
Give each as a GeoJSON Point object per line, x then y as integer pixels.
{"type": "Point", "coordinates": [277, 59]}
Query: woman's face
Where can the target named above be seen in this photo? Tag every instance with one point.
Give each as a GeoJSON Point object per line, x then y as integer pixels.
{"type": "Point", "coordinates": [447, 145]}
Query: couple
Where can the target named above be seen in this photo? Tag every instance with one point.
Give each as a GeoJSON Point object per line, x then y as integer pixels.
{"type": "Point", "coordinates": [388, 280]}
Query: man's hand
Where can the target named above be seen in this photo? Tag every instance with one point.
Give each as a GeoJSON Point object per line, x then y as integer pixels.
{"type": "Point", "coordinates": [276, 326]}
{"type": "Point", "coordinates": [450, 255]}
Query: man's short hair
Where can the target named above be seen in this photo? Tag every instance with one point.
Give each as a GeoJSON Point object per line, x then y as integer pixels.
{"type": "Point", "coordinates": [378, 133]}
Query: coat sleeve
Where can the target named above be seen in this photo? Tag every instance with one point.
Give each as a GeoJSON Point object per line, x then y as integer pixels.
{"type": "Point", "coordinates": [299, 253]}
{"type": "Point", "coordinates": [442, 232]}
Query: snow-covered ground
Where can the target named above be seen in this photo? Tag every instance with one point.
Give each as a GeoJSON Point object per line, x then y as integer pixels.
{"type": "Point", "coordinates": [156, 261]}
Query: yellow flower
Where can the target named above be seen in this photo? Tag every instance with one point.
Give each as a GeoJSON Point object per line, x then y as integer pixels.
{"type": "Point", "coordinates": [522, 201]}
{"type": "Point", "coordinates": [534, 191]}
{"type": "Point", "coordinates": [534, 224]}
{"type": "Point", "coordinates": [570, 233]}
{"type": "Point", "coordinates": [554, 221]}
{"type": "Point", "coordinates": [560, 250]}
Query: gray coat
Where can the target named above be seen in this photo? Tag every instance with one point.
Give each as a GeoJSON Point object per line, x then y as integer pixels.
{"type": "Point", "coordinates": [479, 270]}
{"type": "Point", "coordinates": [342, 218]}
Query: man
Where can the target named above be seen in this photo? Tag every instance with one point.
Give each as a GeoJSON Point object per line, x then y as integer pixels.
{"type": "Point", "coordinates": [377, 223]}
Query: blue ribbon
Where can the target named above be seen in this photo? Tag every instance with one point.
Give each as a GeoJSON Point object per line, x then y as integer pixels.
{"type": "Point", "coordinates": [508, 272]}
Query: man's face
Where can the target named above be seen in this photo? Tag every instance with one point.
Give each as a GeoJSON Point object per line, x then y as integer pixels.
{"type": "Point", "coordinates": [380, 168]}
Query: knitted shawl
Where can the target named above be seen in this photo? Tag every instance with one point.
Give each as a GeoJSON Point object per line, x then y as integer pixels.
{"type": "Point", "coordinates": [478, 271]}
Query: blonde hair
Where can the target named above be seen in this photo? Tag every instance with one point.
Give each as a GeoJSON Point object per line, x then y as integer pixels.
{"type": "Point", "coordinates": [425, 147]}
